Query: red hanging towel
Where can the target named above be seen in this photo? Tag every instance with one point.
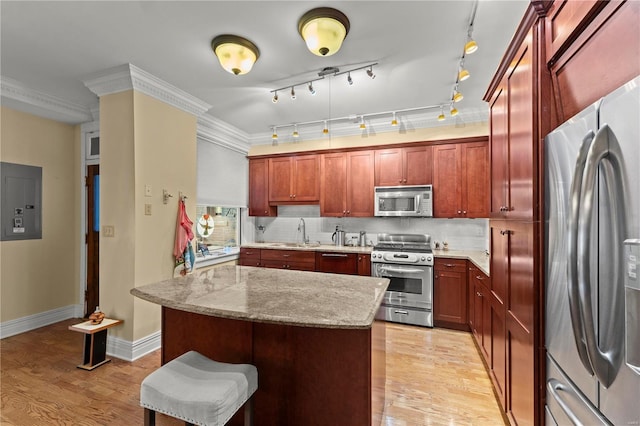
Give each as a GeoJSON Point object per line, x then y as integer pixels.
{"type": "Point", "coordinates": [184, 234]}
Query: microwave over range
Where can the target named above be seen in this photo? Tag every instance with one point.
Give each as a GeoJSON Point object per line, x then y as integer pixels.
{"type": "Point", "coordinates": [410, 200]}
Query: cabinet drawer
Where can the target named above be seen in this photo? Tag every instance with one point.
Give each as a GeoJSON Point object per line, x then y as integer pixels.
{"type": "Point", "coordinates": [286, 264]}
{"type": "Point", "coordinates": [446, 264]}
{"type": "Point", "coordinates": [249, 256]}
{"type": "Point", "coordinates": [337, 263]}
{"type": "Point", "coordinates": [289, 255]}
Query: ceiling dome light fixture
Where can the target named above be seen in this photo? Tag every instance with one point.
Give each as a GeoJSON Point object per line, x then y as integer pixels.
{"type": "Point", "coordinates": [236, 54]}
{"type": "Point", "coordinates": [323, 29]}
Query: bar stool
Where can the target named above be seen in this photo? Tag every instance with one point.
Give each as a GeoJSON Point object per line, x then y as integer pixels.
{"type": "Point", "coordinates": [199, 391]}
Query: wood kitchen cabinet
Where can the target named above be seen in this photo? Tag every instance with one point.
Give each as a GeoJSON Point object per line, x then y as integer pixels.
{"type": "Point", "coordinates": [480, 310]}
{"type": "Point", "coordinates": [249, 257]}
{"type": "Point", "coordinates": [404, 166]}
{"type": "Point", "coordinates": [346, 184]}
{"type": "Point", "coordinates": [288, 259]}
{"type": "Point", "coordinates": [259, 188]}
{"type": "Point", "coordinates": [294, 179]}
{"type": "Point", "coordinates": [364, 265]}
{"type": "Point", "coordinates": [450, 293]}
{"type": "Point", "coordinates": [337, 262]}
{"type": "Point", "coordinates": [461, 184]}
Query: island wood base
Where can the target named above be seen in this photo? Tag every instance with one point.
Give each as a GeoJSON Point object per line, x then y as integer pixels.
{"type": "Point", "coordinates": [306, 375]}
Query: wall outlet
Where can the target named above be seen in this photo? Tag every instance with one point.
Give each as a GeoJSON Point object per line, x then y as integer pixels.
{"type": "Point", "coordinates": [108, 231]}
{"type": "Point", "coordinates": [147, 209]}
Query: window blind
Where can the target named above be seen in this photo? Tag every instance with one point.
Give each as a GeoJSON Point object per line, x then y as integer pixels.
{"type": "Point", "coordinates": [223, 176]}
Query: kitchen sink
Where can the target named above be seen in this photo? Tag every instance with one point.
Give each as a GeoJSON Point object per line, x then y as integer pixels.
{"type": "Point", "coordinates": [294, 245]}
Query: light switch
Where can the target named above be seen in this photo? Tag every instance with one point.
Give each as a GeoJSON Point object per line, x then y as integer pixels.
{"type": "Point", "coordinates": [108, 231]}
{"type": "Point", "coordinates": [147, 209]}
{"type": "Point", "coordinates": [147, 191]}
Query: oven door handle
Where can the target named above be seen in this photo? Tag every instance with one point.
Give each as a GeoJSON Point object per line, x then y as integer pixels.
{"type": "Point", "coordinates": [401, 270]}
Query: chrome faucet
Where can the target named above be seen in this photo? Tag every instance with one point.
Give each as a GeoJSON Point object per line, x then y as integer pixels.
{"type": "Point", "coordinates": [303, 227]}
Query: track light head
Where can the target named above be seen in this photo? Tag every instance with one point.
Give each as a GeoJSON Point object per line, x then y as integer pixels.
{"type": "Point", "coordinates": [295, 131]}
{"type": "Point", "coordinates": [394, 121]}
{"type": "Point", "coordinates": [311, 89]}
{"type": "Point", "coordinates": [349, 79]}
{"type": "Point", "coordinates": [463, 75]}
{"type": "Point", "coordinates": [457, 96]}
{"type": "Point", "coordinates": [274, 136]}
{"type": "Point", "coordinates": [453, 111]}
{"type": "Point", "coordinates": [370, 73]}
{"type": "Point", "coordinates": [471, 46]}
{"type": "Point", "coordinates": [275, 97]}
{"type": "Point", "coordinates": [293, 93]}
{"type": "Point", "coordinates": [325, 130]}
{"type": "Point", "coordinates": [441, 116]}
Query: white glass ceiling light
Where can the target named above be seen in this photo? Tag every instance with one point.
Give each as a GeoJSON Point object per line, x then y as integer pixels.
{"type": "Point", "coordinates": [323, 29]}
{"type": "Point", "coordinates": [236, 54]}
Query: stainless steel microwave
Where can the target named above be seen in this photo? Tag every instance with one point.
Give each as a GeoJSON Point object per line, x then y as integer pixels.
{"type": "Point", "coordinates": [410, 200]}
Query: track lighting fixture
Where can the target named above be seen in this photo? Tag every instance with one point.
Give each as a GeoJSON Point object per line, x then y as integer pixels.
{"type": "Point", "coordinates": [295, 131]}
{"type": "Point", "coordinates": [327, 71]}
{"type": "Point", "coordinates": [325, 130]}
{"type": "Point", "coordinates": [362, 125]}
{"type": "Point", "coordinates": [457, 96]}
{"type": "Point", "coordinates": [471, 46]}
{"type": "Point", "coordinates": [323, 29]}
{"type": "Point", "coordinates": [394, 122]}
{"type": "Point", "coordinates": [235, 54]}
{"type": "Point", "coordinates": [370, 73]}
{"type": "Point", "coordinates": [441, 116]}
{"type": "Point", "coordinates": [453, 111]}
{"type": "Point", "coordinates": [274, 136]}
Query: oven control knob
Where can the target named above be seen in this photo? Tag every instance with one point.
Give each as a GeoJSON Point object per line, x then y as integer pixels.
{"type": "Point", "coordinates": [423, 258]}
{"type": "Point", "coordinates": [429, 258]}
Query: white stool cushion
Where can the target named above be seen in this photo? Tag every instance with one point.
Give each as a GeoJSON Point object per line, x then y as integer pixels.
{"type": "Point", "coordinates": [199, 390]}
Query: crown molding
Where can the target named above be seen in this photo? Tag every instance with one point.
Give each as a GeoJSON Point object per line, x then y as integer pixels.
{"type": "Point", "coordinates": [214, 130]}
{"type": "Point", "coordinates": [22, 98]}
{"type": "Point", "coordinates": [130, 77]}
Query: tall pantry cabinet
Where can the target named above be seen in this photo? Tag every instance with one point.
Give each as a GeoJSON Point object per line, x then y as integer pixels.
{"type": "Point", "coordinates": [558, 62]}
{"type": "Point", "coordinates": [517, 126]}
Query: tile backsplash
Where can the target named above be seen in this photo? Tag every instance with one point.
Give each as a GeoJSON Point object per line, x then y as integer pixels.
{"type": "Point", "coordinates": [461, 234]}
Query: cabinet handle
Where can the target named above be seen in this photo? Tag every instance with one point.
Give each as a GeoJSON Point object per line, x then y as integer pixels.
{"type": "Point", "coordinates": [286, 255]}
{"type": "Point", "coordinates": [294, 195]}
{"type": "Point", "coordinates": [478, 294]}
{"type": "Point", "coordinates": [449, 265]}
{"type": "Point", "coordinates": [248, 253]}
{"type": "Point", "coordinates": [399, 180]}
{"type": "Point", "coordinates": [459, 211]}
{"type": "Point", "coordinates": [334, 255]}
{"type": "Point", "coordinates": [464, 212]}
{"type": "Point", "coordinates": [478, 277]}
{"type": "Point", "coordinates": [505, 232]}
{"type": "Point", "coordinates": [265, 212]}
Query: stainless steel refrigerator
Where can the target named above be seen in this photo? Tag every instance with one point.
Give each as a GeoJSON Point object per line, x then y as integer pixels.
{"type": "Point", "coordinates": [592, 234]}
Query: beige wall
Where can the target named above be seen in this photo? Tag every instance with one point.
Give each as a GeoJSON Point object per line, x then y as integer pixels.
{"type": "Point", "coordinates": [416, 135]}
{"type": "Point", "coordinates": [143, 142]}
{"type": "Point", "coordinates": [41, 275]}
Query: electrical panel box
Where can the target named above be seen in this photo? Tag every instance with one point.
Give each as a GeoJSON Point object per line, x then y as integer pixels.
{"type": "Point", "coordinates": [21, 202]}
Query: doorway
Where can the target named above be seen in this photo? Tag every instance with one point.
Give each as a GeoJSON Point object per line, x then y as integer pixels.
{"type": "Point", "coordinates": [92, 292]}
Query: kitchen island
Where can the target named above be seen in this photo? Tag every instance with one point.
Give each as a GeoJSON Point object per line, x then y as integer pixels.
{"type": "Point", "coordinates": [320, 353]}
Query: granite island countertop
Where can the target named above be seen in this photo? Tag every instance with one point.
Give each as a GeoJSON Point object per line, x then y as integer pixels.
{"type": "Point", "coordinates": [299, 298]}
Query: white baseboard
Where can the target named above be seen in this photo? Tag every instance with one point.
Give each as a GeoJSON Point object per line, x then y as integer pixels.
{"type": "Point", "coordinates": [31, 322]}
{"type": "Point", "coordinates": [130, 351]}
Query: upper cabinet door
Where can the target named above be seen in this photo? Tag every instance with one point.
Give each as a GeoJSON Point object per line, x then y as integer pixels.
{"type": "Point", "coordinates": [499, 155]}
{"type": "Point", "coordinates": [360, 183]}
{"type": "Point", "coordinates": [294, 179]}
{"type": "Point", "coordinates": [306, 178]}
{"type": "Point", "coordinates": [447, 195]}
{"type": "Point", "coordinates": [475, 179]}
{"type": "Point", "coordinates": [280, 177]}
{"type": "Point", "coordinates": [259, 188]}
{"type": "Point", "coordinates": [333, 184]}
{"type": "Point", "coordinates": [403, 166]}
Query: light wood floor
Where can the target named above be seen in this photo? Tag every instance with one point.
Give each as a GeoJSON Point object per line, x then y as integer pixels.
{"type": "Point", "coordinates": [434, 377]}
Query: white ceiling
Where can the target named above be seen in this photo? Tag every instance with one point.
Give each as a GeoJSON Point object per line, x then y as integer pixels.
{"type": "Point", "coordinates": [52, 46]}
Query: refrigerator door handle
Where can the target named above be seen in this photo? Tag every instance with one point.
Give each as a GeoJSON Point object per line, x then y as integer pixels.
{"type": "Point", "coordinates": [555, 387]}
{"type": "Point", "coordinates": [606, 150]}
{"type": "Point", "coordinates": [575, 193]}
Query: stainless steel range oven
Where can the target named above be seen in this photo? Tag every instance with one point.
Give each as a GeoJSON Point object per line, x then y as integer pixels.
{"type": "Point", "coordinates": [407, 261]}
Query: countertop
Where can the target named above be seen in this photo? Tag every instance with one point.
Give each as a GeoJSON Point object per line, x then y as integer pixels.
{"type": "Point", "coordinates": [308, 299]}
{"type": "Point", "coordinates": [478, 257]}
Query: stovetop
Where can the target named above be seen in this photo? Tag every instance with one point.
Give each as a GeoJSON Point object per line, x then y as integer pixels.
{"type": "Point", "coordinates": [414, 243]}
